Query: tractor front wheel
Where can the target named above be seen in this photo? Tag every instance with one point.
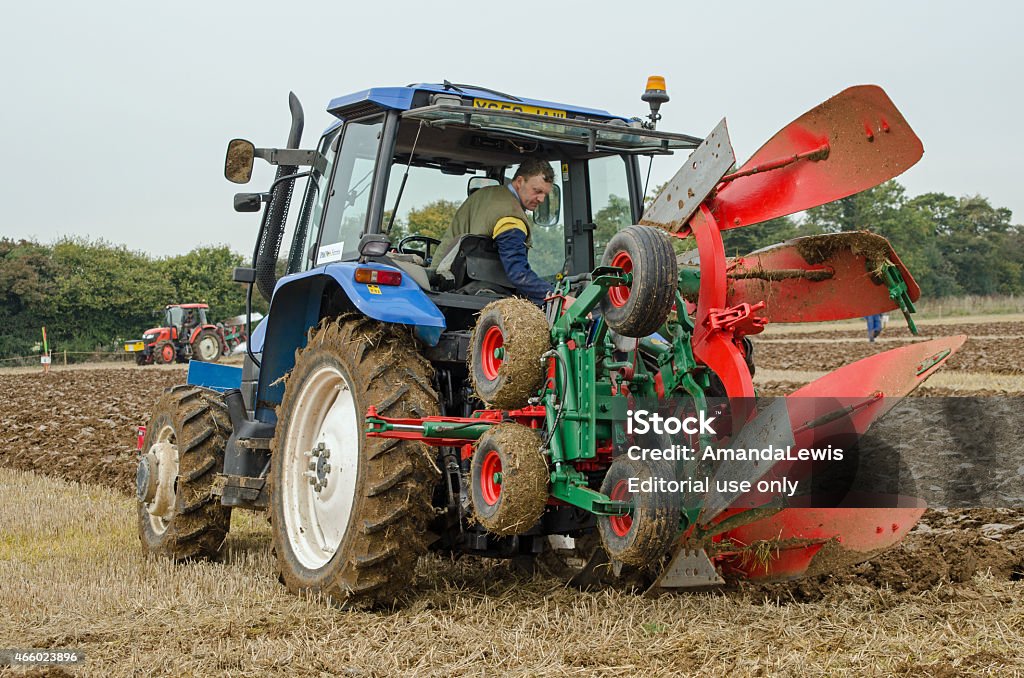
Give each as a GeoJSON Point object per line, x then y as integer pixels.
{"type": "Point", "coordinates": [640, 308]}
{"type": "Point", "coordinates": [641, 538]}
{"type": "Point", "coordinates": [178, 516]}
{"type": "Point", "coordinates": [509, 479]}
{"type": "Point", "coordinates": [349, 513]}
{"type": "Point", "coordinates": [164, 353]}
{"type": "Point", "coordinates": [206, 347]}
{"type": "Point", "coordinates": [510, 337]}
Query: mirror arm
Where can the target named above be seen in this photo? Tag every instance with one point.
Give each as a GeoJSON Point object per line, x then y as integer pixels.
{"type": "Point", "coordinates": [293, 156]}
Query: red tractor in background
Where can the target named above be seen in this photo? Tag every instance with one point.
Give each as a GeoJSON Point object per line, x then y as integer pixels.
{"type": "Point", "coordinates": [186, 334]}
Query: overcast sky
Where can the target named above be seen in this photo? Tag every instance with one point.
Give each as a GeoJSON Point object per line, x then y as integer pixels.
{"type": "Point", "coordinates": [115, 115]}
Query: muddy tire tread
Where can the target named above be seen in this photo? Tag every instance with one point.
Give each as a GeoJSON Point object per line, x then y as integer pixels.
{"type": "Point", "coordinates": [200, 524]}
{"type": "Point", "coordinates": [387, 531]}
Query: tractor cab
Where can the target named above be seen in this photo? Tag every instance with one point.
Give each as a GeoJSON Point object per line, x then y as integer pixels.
{"type": "Point", "coordinates": [181, 319]}
{"type": "Point", "coordinates": [399, 162]}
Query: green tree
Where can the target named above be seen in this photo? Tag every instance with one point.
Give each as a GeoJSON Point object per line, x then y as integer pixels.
{"type": "Point", "coordinates": [432, 219]}
{"type": "Point", "coordinates": [26, 288]}
{"type": "Point", "coordinates": [204, 274]}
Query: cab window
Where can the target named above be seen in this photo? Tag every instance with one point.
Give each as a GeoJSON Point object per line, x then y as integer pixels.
{"type": "Point", "coordinates": [349, 200]}
{"type": "Point", "coordinates": [609, 199]}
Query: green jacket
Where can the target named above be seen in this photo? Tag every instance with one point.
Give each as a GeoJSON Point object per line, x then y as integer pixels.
{"type": "Point", "coordinates": [489, 211]}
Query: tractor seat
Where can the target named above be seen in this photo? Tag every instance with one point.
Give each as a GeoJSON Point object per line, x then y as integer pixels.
{"type": "Point", "coordinates": [474, 266]}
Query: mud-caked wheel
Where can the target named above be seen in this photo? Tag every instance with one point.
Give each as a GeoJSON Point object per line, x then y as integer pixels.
{"type": "Point", "coordinates": [509, 479]}
{"type": "Point", "coordinates": [178, 515]}
{"type": "Point", "coordinates": [639, 309]}
{"type": "Point", "coordinates": [348, 512]}
{"type": "Point", "coordinates": [164, 353]}
{"type": "Point", "coordinates": [641, 538]}
{"type": "Point", "coordinates": [510, 337]}
{"type": "Point", "coordinates": [206, 347]}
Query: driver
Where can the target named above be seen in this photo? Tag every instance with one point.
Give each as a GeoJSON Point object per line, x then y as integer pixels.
{"type": "Point", "coordinates": [499, 212]}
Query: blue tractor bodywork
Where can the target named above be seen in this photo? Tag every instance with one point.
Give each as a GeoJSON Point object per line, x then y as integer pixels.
{"type": "Point", "coordinates": [296, 306]}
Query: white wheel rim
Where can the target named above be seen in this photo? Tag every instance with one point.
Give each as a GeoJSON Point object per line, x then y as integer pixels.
{"type": "Point", "coordinates": [208, 348]}
{"type": "Point", "coordinates": [316, 519]}
{"type": "Point", "coordinates": [161, 509]}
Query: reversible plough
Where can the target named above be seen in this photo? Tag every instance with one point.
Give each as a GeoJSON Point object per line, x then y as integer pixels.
{"type": "Point", "coordinates": [655, 331]}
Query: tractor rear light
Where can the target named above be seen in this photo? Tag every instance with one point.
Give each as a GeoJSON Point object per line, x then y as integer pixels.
{"type": "Point", "coordinates": [372, 276]}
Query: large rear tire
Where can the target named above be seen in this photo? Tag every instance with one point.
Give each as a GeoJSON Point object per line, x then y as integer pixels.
{"type": "Point", "coordinates": [639, 309]}
{"type": "Point", "coordinates": [178, 515]}
{"type": "Point", "coordinates": [206, 347]}
{"type": "Point", "coordinates": [349, 513]}
{"type": "Point", "coordinates": [508, 341]}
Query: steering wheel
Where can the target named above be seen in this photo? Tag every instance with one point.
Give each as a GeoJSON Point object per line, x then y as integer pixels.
{"type": "Point", "coordinates": [429, 242]}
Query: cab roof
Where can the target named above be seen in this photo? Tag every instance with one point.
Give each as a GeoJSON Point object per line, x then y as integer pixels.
{"type": "Point", "coordinates": [378, 99]}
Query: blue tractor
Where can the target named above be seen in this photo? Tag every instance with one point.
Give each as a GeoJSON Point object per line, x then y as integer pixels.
{"type": "Point", "coordinates": [362, 318]}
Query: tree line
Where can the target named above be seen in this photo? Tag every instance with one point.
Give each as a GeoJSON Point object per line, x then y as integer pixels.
{"type": "Point", "coordinates": [90, 295]}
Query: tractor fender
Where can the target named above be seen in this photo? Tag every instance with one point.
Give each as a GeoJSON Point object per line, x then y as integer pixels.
{"type": "Point", "coordinates": [195, 332]}
{"type": "Point", "coordinates": [296, 306]}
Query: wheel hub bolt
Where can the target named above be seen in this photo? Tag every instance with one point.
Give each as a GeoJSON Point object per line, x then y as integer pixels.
{"type": "Point", "coordinates": [497, 478]}
{"type": "Point", "coordinates": [499, 353]}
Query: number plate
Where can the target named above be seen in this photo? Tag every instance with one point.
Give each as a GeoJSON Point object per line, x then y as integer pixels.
{"type": "Point", "coordinates": [134, 346]}
{"type": "Point", "coordinates": [515, 106]}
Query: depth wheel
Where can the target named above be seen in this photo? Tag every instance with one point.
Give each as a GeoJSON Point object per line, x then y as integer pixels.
{"type": "Point", "coordinates": [349, 513]}
{"type": "Point", "coordinates": [206, 347]}
{"type": "Point", "coordinates": [508, 341]}
{"type": "Point", "coordinates": [509, 479]}
{"type": "Point", "coordinates": [178, 516]}
{"type": "Point", "coordinates": [643, 538]}
{"type": "Point", "coordinates": [164, 353]}
{"type": "Point", "coordinates": [639, 309]}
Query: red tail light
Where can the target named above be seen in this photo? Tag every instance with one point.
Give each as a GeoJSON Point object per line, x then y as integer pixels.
{"type": "Point", "coordinates": [371, 276]}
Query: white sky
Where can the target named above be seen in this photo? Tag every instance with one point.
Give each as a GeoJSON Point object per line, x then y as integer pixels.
{"type": "Point", "coordinates": [115, 115]}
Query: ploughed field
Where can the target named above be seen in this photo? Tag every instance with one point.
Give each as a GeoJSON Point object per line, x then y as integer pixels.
{"type": "Point", "coordinates": [948, 601]}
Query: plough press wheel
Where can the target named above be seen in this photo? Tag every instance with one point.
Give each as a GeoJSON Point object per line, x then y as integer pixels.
{"type": "Point", "coordinates": [639, 309]}
{"type": "Point", "coordinates": [509, 479]}
{"type": "Point", "coordinates": [643, 537]}
{"type": "Point", "coordinates": [510, 337]}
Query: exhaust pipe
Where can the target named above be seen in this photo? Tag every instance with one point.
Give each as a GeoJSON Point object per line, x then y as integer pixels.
{"type": "Point", "coordinates": [276, 211]}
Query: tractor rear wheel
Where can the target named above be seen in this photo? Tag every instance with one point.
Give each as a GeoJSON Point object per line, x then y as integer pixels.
{"type": "Point", "coordinates": [206, 347]}
{"type": "Point", "coordinates": [509, 479]}
{"type": "Point", "coordinates": [178, 516]}
{"type": "Point", "coordinates": [508, 341]}
{"type": "Point", "coordinates": [639, 309]}
{"type": "Point", "coordinates": [643, 537]}
{"type": "Point", "coordinates": [164, 353]}
{"type": "Point", "coordinates": [349, 513]}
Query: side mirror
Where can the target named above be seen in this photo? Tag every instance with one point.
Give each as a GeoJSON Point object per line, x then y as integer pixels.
{"type": "Point", "coordinates": [476, 183]}
{"type": "Point", "coordinates": [547, 212]}
{"type": "Point", "coordinates": [238, 161]}
{"type": "Point", "coordinates": [248, 202]}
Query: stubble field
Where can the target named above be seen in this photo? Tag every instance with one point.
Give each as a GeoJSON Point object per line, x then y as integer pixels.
{"type": "Point", "coordinates": [948, 601]}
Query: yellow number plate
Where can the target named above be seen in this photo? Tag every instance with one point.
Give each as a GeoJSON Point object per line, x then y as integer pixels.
{"type": "Point", "coordinates": [521, 108]}
{"type": "Point", "coordinates": [134, 346]}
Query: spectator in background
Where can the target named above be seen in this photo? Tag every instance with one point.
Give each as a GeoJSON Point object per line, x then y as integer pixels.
{"type": "Point", "coordinates": [874, 326]}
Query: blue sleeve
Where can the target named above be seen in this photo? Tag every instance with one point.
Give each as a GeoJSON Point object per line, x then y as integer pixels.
{"type": "Point", "coordinates": [512, 250]}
